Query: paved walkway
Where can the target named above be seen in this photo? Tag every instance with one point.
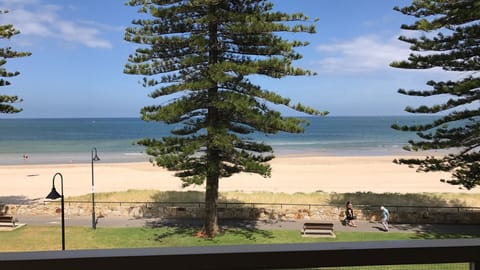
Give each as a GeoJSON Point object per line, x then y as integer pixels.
{"type": "Point", "coordinates": [365, 226]}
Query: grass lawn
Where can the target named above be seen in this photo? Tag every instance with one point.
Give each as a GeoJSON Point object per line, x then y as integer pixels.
{"type": "Point", "coordinates": [37, 238]}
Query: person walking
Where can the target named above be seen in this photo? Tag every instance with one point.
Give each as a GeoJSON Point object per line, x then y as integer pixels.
{"type": "Point", "coordinates": [349, 216]}
{"type": "Point", "coordinates": [385, 216]}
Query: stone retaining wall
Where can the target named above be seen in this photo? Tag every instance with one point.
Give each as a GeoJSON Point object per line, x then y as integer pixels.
{"type": "Point", "coordinates": [399, 214]}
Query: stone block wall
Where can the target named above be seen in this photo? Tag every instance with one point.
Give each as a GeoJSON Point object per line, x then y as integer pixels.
{"type": "Point", "coordinates": [399, 214]}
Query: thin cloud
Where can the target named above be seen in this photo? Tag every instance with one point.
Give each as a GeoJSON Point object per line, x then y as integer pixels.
{"type": "Point", "coordinates": [370, 54]}
{"type": "Point", "coordinates": [38, 20]}
{"type": "Point", "coordinates": [361, 55]}
{"type": "Point", "coordinates": [87, 36]}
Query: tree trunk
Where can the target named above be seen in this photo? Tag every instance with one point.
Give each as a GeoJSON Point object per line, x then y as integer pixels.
{"type": "Point", "coordinates": [210, 227]}
{"type": "Point", "coordinates": [211, 196]}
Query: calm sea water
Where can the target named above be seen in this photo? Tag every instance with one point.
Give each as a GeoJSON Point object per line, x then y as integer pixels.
{"type": "Point", "coordinates": [72, 140]}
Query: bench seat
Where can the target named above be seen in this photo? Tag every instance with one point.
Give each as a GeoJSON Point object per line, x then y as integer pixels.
{"type": "Point", "coordinates": [317, 229]}
{"type": "Point", "coordinates": [7, 221]}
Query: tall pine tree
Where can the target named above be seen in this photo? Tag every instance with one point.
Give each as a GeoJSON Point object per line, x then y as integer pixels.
{"type": "Point", "coordinates": [7, 101]}
{"type": "Point", "coordinates": [451, 41]}
{"type": "Point", "coordinates": [201, 54]}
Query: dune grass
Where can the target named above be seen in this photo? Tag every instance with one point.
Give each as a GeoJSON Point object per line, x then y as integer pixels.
{"type": "Point", "coordinates": [359, 198]}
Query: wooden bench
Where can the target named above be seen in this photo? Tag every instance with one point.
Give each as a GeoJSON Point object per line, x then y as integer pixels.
{"type": "Point", "coordinates": [315, 229]}
{"type": "Point", "coordinates": [7, 220]}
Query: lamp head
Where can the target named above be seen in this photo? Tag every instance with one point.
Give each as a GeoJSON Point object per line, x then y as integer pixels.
{"type": "Point", "coordinates": [95, 157]}
{"type": "Point", "coordinates": [53, 194]}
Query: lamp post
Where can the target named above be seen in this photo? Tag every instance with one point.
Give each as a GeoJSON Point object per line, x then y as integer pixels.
{"type": "Point", "coordinates": [53, 195]}
{"type": "Point", "coordinates": [94, 158]}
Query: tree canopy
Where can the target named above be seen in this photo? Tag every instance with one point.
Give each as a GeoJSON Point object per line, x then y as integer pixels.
{"type": "Point", "coordinates": [450, 40]}
{"type": "Point", "coordinates": [7, 101]}
{"type": "Point", "coordinates": [201, 54]}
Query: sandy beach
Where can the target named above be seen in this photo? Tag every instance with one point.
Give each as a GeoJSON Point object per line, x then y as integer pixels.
{"type": "Point", "coordinates": [290, 174]}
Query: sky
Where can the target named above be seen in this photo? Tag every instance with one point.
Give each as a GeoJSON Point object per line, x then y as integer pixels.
{"type": "Point", "coordinates": [78, 56]}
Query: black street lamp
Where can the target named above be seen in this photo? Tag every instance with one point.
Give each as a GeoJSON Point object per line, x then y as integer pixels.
{"type": "Point", "coordinates": [94, 158]}
{"type": "Point", "coordinates": [53, 195]}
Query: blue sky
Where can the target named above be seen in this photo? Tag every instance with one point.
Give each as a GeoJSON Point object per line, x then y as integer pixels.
{"type": "Point", "coordinates": [78, 55]}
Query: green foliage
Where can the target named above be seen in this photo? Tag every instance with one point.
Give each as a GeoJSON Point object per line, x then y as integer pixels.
{"type": "Point", "coordinates": [6, 101]}
{"type": "Point", "coordinates": [200, 54]}
{"type": "Point", "coordinates": [451, 31]}
{"type": "Point", "coordinates": [217, 103]}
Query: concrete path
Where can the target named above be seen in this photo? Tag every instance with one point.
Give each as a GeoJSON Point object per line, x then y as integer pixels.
{"type": "Point", "coordinates": [364, 226]}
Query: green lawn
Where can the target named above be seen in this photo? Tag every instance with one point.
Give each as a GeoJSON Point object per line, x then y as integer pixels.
{"type": "Point", "coordinates": [37, 238]}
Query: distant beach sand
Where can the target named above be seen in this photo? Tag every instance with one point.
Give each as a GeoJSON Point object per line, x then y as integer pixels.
{"type": "Point", "coordinates": [290, 174]}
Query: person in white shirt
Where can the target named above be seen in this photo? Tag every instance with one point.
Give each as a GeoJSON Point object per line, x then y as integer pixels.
{"type": "Point", "coordinates": [385, 216]}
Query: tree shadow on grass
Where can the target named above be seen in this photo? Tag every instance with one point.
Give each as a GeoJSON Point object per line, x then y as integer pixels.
{"type": "Point", "coordinates": [246, 229]}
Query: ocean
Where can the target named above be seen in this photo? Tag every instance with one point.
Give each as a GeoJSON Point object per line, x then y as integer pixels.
{"type": "Point", "coordinates": [72, 140]}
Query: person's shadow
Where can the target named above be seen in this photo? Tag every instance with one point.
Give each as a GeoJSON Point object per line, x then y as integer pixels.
{"type": "Point", "coordinates": [380, 228]}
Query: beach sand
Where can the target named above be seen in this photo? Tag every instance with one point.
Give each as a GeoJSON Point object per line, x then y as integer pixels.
{"type": "Point", "coordinates": [290, 174]}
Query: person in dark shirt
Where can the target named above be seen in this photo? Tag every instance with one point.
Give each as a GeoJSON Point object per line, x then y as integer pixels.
{"type": "Point", "coordinates": [349, 215]}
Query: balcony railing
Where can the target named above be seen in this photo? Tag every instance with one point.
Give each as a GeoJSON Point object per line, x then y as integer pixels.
{"type": "Point", "coordinates": [279, 256]}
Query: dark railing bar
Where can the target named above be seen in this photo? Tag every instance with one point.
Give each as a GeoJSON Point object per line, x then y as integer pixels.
{"type": "Point", "coordinates": [276, 256]}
